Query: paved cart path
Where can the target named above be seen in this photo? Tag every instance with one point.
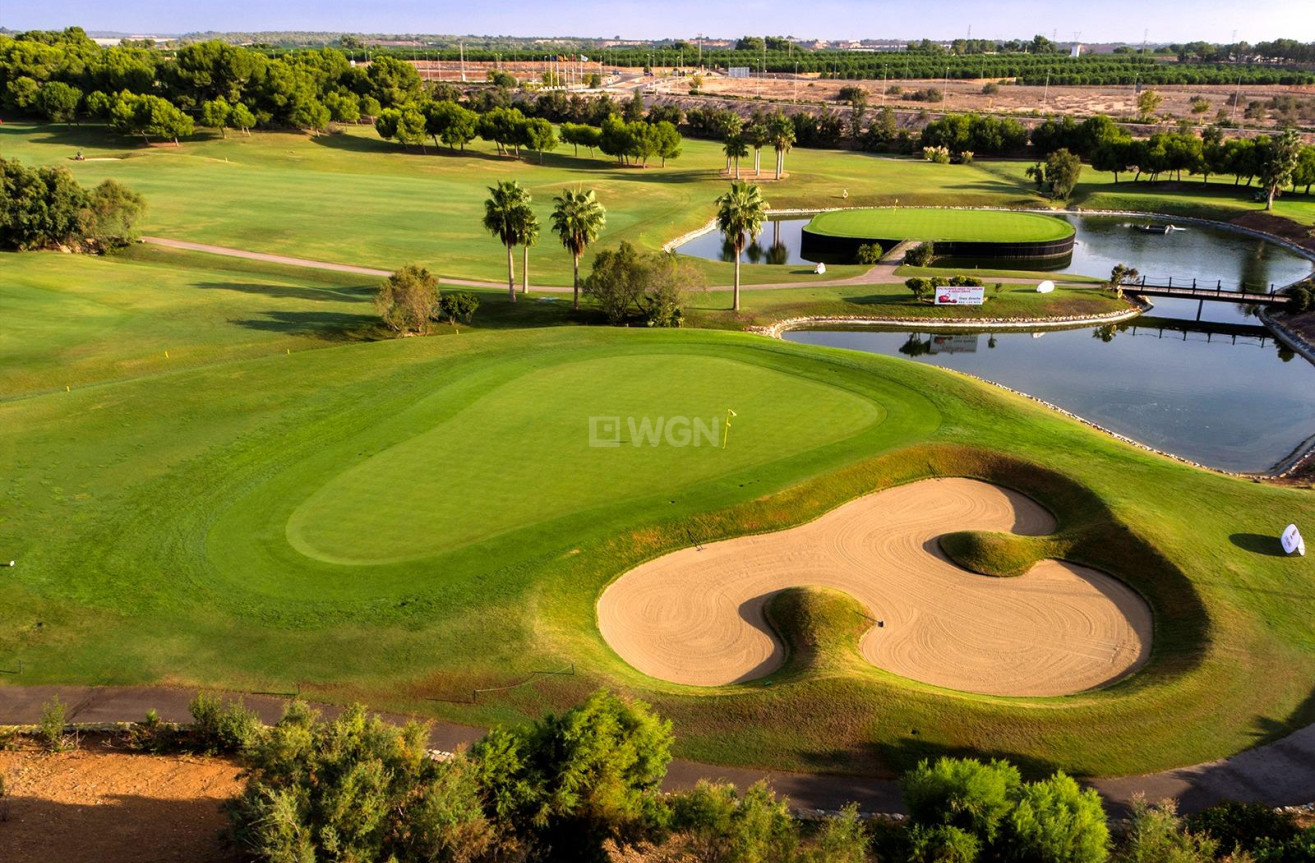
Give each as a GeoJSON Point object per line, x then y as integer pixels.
{"type": "Point", "coordinates": [1278, 773]}
{"type": "Point", "coordinates": [881, 274]}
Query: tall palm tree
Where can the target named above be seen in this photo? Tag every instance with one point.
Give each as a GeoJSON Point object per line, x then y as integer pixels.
{"type": "Point", "coordinates": [757, 135]}
{"type": "Point", "coordinates": [577, 219]}
{"type": "Point", "coordinates": [529, 236]}
{"type": "Point", "coordinates": [505, 215]}
{"type": "Point", "coordinates": [735, 148]}
{"type": "Point", "coordinates": [740, 215]}
{"type": "Point", "coordinates": [781, 133]}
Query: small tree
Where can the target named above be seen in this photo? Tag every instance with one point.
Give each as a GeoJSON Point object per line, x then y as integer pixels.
{"type": "Point", "coordinates": [1156, 835]}
{"type": "Point", "coordinates": [215, 114]}
{"type": "Point", "coordinates": [1278, 161]}
{"type": "Point", "coordinates": [50, 729]}
{"type": "Point", "coordinates": [1148, 102]}
{"type": "Point", "coordinates": [240, 117]}
{"type": "Point", "coordinates": [408, 300]}
{"type": "Point", "coordinates": [59, 101]}
{"type": "Point", "coordinates": [114, 210]}
{"type": "Point", "coordinates": [1119, 276]}
{"type": "Point", "coordinates": [458, 306]}
{"type": "Point", "coordinates": [869, 254]}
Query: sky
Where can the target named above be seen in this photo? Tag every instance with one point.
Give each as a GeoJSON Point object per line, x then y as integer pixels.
{"type": "Point", "coordinates": [1102, 21]}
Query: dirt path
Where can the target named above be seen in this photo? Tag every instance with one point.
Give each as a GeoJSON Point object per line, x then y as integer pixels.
{"type": "Point", "coordinates": [696, 616]}
{"type": "Point", "coordinates": [881, 274]}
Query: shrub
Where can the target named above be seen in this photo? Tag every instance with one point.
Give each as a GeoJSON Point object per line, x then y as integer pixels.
{"type": "Point", "coordinates": [716, 823]}
{"type": "Point", "coordinates": [460, 306]}
{"type": "Point", "coordinates": [1055, 820]}
{"type": "Point", "coordinates": [626, 283]}
{"type": "Point", "coordinates": [408, 300]}
{"type": "Point", "coordinates": [357, 788]}
{"type": "Point", "coordinates": [942, 844]}
{"type": "Point", "coordinates": [990, 88]}
{"type": "Point", "coordinates": [50, 728]}
{"type": "Point", "coordinates": [1243, 826]}
{"type": "Point", "coordinates": [961, 793]}
{"type": "Point", "coordinates": [222, 727]}
{"type": "Point", "coordinates": [939, 155]}
{"type": "Point", "coordinates": [1156, 835]}
{"type": "Point", "coordinates": [869, 254]}
{"type": "Point", "coordinates": [921, 256]}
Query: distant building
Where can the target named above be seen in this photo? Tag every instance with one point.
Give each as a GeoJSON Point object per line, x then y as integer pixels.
{"type": "Point", "coordinates": [1077, 51]}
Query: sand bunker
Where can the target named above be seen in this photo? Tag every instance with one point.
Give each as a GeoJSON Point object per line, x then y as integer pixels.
{"type": "Point", "coordinates": [696, 617]}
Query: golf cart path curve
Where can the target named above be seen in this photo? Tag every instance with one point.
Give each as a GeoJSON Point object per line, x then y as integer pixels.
{"type": "Point", "coordinates": [1280, 773]}
{"type": "Point", "coordinates": [881, 274]}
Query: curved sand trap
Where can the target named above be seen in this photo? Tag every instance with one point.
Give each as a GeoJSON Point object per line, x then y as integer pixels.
{"type": "Point", "coordinates": [696, 617]}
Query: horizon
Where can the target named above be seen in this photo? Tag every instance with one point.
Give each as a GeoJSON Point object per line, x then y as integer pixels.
{"type": "Point", "coordinates": [1120, 21]}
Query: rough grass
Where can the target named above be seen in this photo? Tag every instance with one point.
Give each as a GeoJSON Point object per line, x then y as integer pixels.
{"type": "Point", "coordinates": [940, 225]}
{"type": "Point", "coordinates": [1004, 555]}
{"type": "Point", "coordinates": [820, 629]}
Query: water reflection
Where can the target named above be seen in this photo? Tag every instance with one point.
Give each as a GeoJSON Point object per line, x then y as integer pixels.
{"type": "Point", "coordinates": [1225, 394]}
{"type": "Point", "coordinates": [1210, 255]}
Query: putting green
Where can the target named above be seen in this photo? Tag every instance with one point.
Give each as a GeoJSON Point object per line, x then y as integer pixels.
{"type": "Point", "coordinates": [656, 423]}
{"type": "Point", "coordinates": [940, 225]}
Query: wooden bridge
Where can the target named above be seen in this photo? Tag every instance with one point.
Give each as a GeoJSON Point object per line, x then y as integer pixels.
{"type": "Point", "coordinates": [1203, 292]}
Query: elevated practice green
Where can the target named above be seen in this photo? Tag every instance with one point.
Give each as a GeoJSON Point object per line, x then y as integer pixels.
{"type": "Point", "coordinates": [940, 225]}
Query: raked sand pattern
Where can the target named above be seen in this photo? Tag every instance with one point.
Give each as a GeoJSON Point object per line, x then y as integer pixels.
{"type": "Point", "coordinates": [696, 616]}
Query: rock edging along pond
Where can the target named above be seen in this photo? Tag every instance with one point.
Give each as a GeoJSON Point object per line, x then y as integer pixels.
{"type": "Point", "coordinates": [776, 329]}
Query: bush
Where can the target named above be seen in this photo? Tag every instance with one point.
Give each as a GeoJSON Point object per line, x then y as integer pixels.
{"type": "Point", "coordinates": [961, 793]}
{"type": "Point", "coordinates": [357, 788]}
{"type": "Point", "coordinates": [461, 306]}
{"type": "Point", "coordinates": [939, 155]}
{"type": "Point", "coordinates": [50, 728]}
{"type": "Point", "coordinates": [990, 88]}
{"type": "Point", "coordinates": [222, 727]}
{"type": "Point", "coordinates": [1156, 835]}
{"type": "Point", "coordinates": [408, 300]}
{"type": "Point", "coordinates": [626, 284]}
{"type": "Point", "coordinates": [869, 254]}
{"type": "Point", "coordinates": [1243, 826]}
{"type": "Point", "coordinates": [1055, 820]}
{"type": "Point", "coordinates": [921, 256]}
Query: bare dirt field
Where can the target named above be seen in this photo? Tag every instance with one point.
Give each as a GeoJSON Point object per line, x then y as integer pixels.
{"type": "Point", "coordinates": [100, 805]}
{"type": "Point", "coordinates": [696, 616]}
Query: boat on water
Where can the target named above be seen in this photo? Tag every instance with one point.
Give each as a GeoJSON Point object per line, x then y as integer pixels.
{"type": "Point", "coordinates": [1153, 229]}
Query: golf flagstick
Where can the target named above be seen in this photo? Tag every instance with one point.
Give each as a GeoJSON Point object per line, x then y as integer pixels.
{"type": "Point", "coordinates": [726, 430]}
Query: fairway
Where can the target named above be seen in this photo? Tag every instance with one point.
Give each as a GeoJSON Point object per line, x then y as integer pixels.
{"type": "Point", "coordinates": [940, 225]}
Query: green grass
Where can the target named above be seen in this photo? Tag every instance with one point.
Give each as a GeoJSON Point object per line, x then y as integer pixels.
{"type": "Point", "coordinates": [401, 521]}
{"type": "Point", "coordinates": [356, 199]}
{"type": "Point", "coordinates": [759, 308]}
{"type": "Point", "coordinates": [940, 225]}
{"type": "Point", "coordinates": [1004, 555]}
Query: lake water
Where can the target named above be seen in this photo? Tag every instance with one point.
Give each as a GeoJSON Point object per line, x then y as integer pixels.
{"type": "Point", "coordinates": [1211, 255]}
{"type": "Point", "coordinates": [1232, 401]}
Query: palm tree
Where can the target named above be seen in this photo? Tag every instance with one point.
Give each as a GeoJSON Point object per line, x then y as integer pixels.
{"type": "Point", "coordinates": [757, 135]}
{"type": "Point", "coordinates": [740, 214]}
{"type": "Point", "coordinates": [529, 236]}
{"type": "Point", "coordinates": [505, 215]}
{"type": "Point", "coordinates": [735, 149]}
{"type": "Point", "coordinates": [781, 133]}
{"type": "Point", "coordinates": [577, 218]}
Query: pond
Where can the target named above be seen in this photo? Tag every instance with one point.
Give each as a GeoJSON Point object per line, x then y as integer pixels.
{"type": "Point", "coordinates": [1229, 398]}
{"type": "Point", "coordinates": [1206, 253]}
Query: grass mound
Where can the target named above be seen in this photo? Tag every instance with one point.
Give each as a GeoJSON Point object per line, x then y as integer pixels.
{"type": "Point", "coordinates": [987, 552]}
{"type": "Point", "coordinates": [820, 628]}
{"type": "Point", "coordinates": [940, 225]}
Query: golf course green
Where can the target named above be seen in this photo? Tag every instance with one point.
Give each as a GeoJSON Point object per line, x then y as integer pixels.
{"type": "Point", "coordinates": [940, 225]}
{"type": "Point", "coordinates": [219, 472]}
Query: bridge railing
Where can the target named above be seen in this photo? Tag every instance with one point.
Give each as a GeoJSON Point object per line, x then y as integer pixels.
{"type": "Point", "coordinates": [1201, 285]}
